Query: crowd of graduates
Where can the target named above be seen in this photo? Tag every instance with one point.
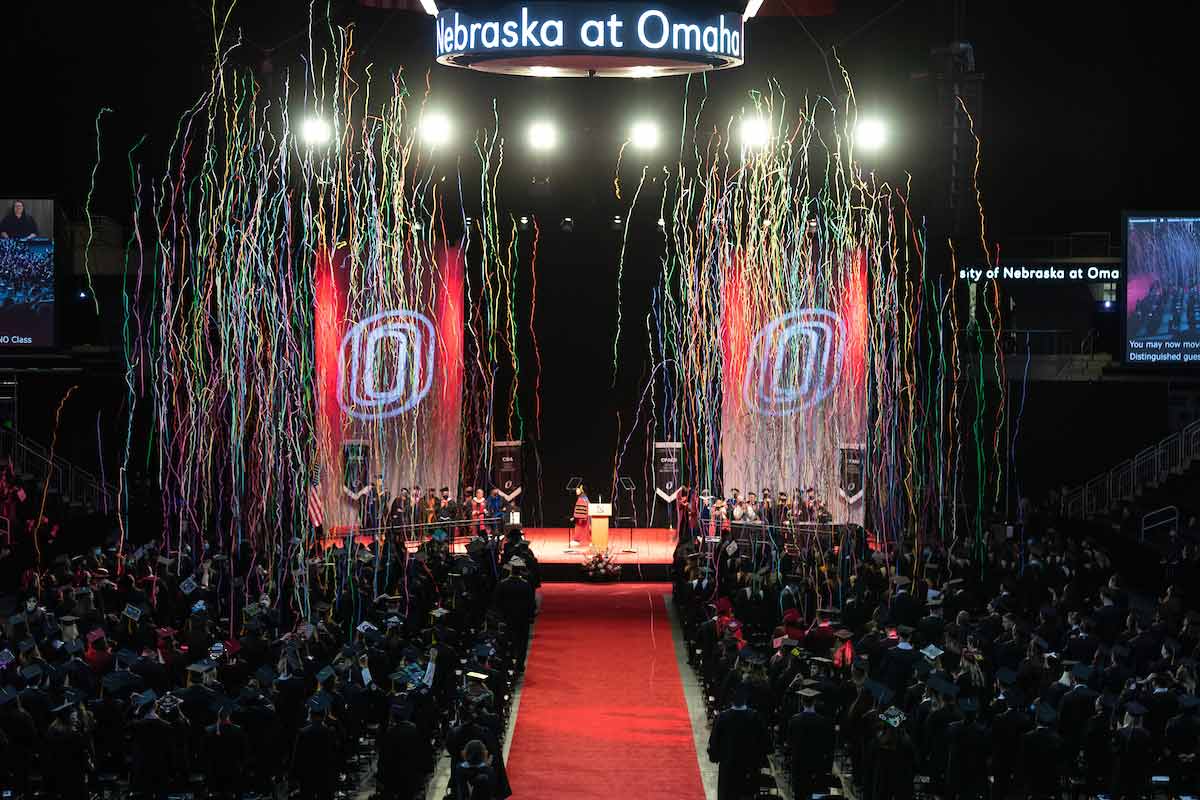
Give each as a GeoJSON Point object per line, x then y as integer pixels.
{"type": "Point", "coordinates": [1007, 667]}
{"type": "Point", "coordinates": [155, 671]}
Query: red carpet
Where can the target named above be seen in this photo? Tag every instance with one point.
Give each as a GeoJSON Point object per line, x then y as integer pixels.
{"type": "Point", "coordinates": [602, 713]}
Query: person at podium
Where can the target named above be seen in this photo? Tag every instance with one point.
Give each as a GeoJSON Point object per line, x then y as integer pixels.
{"type": "Point", "coordinates": [583, 523]}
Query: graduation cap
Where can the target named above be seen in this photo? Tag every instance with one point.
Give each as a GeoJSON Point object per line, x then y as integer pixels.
{"type": "Point", "coordinates": [905, 630]}
{"type": "Point", "coordinates": [16, 619]}
{"type": "Point", "coordinates": [114, 681]}
{"type": "Point", "coordinates": [232, 647]}
{"type": "Point", "coordinates": [808, 693]}
{"type": "Point", "coordinates": [882, 694]}
{"type": "Point", "coordinates": [932, 652]}
{"type": "Point", "coordinates": [265, 675]}
{"type": "Point", "coordinates": [200, 607]}
{"type": "Point", "coordinates": [319, 703]}
{"type": "Point", "coordinates": [438, 613]}
{"type": "Point", "coordinates": [753, 656]}
{"type": "Point", "coordinates": [202, 667]}
{"type": "Point", "coordinates": [165, 633]}
{"type": "Point", "coordinates": [188, 585]}
{"type": "Point", "coordinates": [843, 634]}
{"type": "Point", "coordinates": [145, 698]}
{"type": "Point", "coordinates": [1046, 715]}
{"type": "Point", "coordinates": [393, 622]}
{"type": "Point", "coordinates": [899, 581]}
{"type": "Point", "coordinates": [73, 647]}
{"type": "Point", "coordinates": [364, 627]}
{"type": "Point", "coordinates": [1006, 676]}
{"type": "Point", "coordinates": [126, 656]}
{"type": "Point", "coordinates": [969, 704]}
{"type": "Point", "coordinates": [7, 696]}
{"type": "Point", "coordinates": [32, 672]}
{"type": "Point", "coordinates": [6, 657]}
{"type": "Point", "coordinates": [325, 674]}
{"type": "Point", "coordinates": [1082, 672]}
{"type": "Point", "coordinates": [1189, 702]}
{"type": "Point", "coordinates": [893, 717]}
{"type": "Point", "coordinates": [516, 562]}
{"type": "Point", "coordinates": [1135, 709]}
{"type": "Point", "coordinates": [26, 646]}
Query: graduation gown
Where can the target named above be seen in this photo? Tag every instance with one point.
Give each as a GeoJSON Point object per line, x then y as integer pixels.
{"type": "Point", "coordinates": [583, 522]}
{"type": "Point", "coordinates": [738, 744]}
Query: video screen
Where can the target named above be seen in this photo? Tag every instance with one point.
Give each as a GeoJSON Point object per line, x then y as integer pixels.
{"type": "Point", "coordinates": [1162, 290]}
{"type": "Point", "coordinates": [26, 273]}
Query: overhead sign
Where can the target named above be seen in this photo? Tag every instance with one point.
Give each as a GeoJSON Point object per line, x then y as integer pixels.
{"type": "Point", "coordinates": [1069, 271]}
{"type": "Point", "coordinates": [617, 39]}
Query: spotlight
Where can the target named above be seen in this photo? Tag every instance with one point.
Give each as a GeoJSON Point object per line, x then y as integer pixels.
{"type": "Point", "coordinates": [871, 134]}
{"type": "Point", "coordinates": [616, 223]}
{"type": "Point", "coordinates": [644, 135]}
{"type": "Point", "coordinates": [567, 225]}
{"type": "Point", "coordinates": [543, 136]}
{"type": "Point", "coordinates": [82, 295]}
{"type": "Point", "coordinates": [523, 223]}
{"type": "Point", "coordinates": [756, 132]}
{"type": "Point", "coordinates": [1108, 304]}
{"type": "Point", "coordinates": [435, 129]}
{"type": "Point", "coordinates": [315, 131]}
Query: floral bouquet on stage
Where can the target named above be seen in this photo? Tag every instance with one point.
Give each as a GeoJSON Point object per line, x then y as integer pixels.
{"type": "Point", "coordinates": [601, 566]}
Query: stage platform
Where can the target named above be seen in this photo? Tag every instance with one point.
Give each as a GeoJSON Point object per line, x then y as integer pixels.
{"type": "Point", "coordinates": [653, 545]}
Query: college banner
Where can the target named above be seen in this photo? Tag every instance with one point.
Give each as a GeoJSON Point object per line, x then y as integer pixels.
{"type": "Point", "coordinates": [507, 469]}
{"type": "Point", "coordinates": [666, 469]}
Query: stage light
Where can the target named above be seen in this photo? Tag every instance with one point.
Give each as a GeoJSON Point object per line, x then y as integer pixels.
{"type": "Point", "coordinates": [871, 134]}
{"type": "Point", "coordinates": [752, 8]}
{"type": "Point", "coordinates": [470, 221]}
{"type": "Point", "coordinates": [523, 223]}
{"type": "Point", "coordinates": [435, 129]}
{"type": "Point", "coordinates": [82, 295]}
{"type": "Point", "coordinates": [315, 131]}
{"type": "Point", "coordinates": [1108, 304]}
{"type": "Point", "coordinates": [543, 136]}
{"type": "Point", "coordinates": [643, 72]}
{"type": "Point", "coordinates": [616, 223]}
{"type": "Point", "coordinates": [567, 225]}
{"type": "Point", "coordinates": [541, 71]}
{"type": "Point", "coordinates": [644, 135]}
{"type": "Point", "coordinates": [756, 132]}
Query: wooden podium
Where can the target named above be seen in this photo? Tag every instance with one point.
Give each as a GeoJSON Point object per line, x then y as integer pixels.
{"type": "Point", "coordinates": [599, 514]}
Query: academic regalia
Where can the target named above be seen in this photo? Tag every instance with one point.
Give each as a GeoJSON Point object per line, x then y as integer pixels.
{"type": "Point", "coordinates": [404, 757]}
{"type": "Point", "coordinates": [65, 753]}
{"type": "Point", "coordinates": [457, 740]}
{"type": "Point", "coordinates": [315, 761]}
{"type": "Point", "coordinates": [1041, 762]}
{"type": "Point", "coordinates": [966, 760]}
{"type": "Point", "coordinates": [1008, 729]}
{"type": "Point", "coordinates": [226, 751]}
{"type": "Point", "coordinates": [1132, 758]}
{"type": "Point", "coordinates": [810, 738]}
{"type": "Point", "coordinates": [583, 522]}
{"type": "Point", "coordinates": [738, 744]}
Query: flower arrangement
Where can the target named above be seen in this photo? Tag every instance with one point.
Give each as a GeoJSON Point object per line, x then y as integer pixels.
{"type": "Point", "coordinates": [601, 566]}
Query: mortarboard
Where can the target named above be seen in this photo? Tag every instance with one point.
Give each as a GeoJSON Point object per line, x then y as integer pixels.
{"type": "Point", "coordinates": [126, 656]}
{"type": "Point", "coordinates": [73, 647]}
{"type": "Point", "coordinates": [325, 674]}
{"type": "Point", "coordinates": [200, 607]}
{"type": "Point", "coordinates": [319, 703]}
{"type": "Point", "coordinates": [1006, 676]}
{"type": "Point", "coordinates": [6, 658]}
{"type": "Point", "coordinates": [201, 667]}
{"type": "Point", "coordinates": [26, 646]}
{"type": "Point", "coordinates": [1189, 702]}
{"type": "Point", "coordinates": [893, 717]}
{"type": "Point", "coordinates": [1082, 672]}
{"type": "Point", "coordinates": [7, 696]}
{"type": "Point", "coordinates": [188, 585]}
{"type": "Point", "coordinates": [969, 704]}
{"type": "Point", "coordinates": [882, 694]}
{"type": "Point", "coordinates": [900, 581]}
{"type": "Point", "coordinates": [132, 612]}
{"type": "Point", "coordinates": [31, 672]}
{"type": "Point", "coordinates": [145, 698]}
{"type": "Point", "coordinates": [932, 652]}
{"type": "Point", "coordinates": [808, 693]}
{"type": "Point", "coordinates": [1046, 715]}
{"type": "Point", "coordinates": [1135, 709]}
{"type": "Point", "coordinates": [907, 630]}
{"type": "Point", "coordinates": [753, 656]}
{"type": "Point", "coordinates": [265, 675]}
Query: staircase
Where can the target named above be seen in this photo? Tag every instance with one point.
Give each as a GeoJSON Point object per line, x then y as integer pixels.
{"type": "Point", "coordinates": [79, 490]}
{"type": "Point", "coordinates": [1136, 477]}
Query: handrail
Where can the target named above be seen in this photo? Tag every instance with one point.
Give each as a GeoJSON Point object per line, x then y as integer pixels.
{"type": "Point", "coordinates": [76, 485]}
{"type": "Point", "coordinates": [1171, 518]}
{"type": "Point", "coordinates": [1149, 467]}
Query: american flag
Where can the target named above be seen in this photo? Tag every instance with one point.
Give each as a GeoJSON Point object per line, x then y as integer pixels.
{"type": "Point", "coordinates": [316, 506]}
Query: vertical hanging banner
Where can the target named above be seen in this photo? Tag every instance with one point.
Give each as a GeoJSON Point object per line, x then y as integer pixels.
{"type": "Point", "coordinates": [507, 469]}
{"type": "Point", "coordinates": [795, 380]}
{"type": "Point", "coordinates": [389, 364]}
{"type": "Point", "coordinates": [666, 469]}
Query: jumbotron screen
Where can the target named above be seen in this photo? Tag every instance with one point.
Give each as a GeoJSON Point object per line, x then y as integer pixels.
{"type": "Point", "coordinates": [26, 273]}
{"type": "Point", "coordinates": [1162, 290]}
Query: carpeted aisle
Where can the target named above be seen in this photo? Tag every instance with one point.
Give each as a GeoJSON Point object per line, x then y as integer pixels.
{"type": "Point", "coordinates": [602, 712]}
